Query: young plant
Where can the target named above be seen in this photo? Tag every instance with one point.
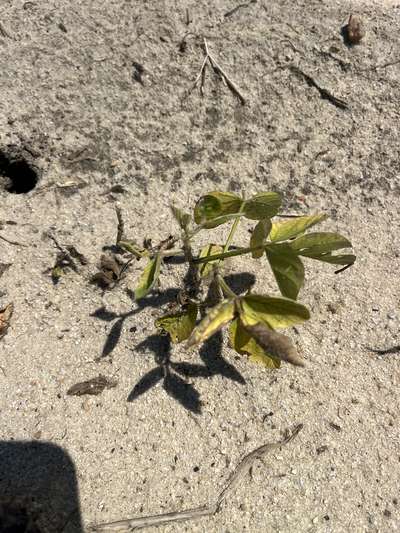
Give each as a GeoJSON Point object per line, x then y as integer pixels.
{"type": "Point", "coordinates": [252, 319]}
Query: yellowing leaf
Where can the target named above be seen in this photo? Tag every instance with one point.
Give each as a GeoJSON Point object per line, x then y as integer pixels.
{"type": "Point", "coordinates": [148, 277]}
{"type": "Point", "coordinates": [205, 269]}
{"type": "Point", "coordinates": [281, 231]}
{"type": "Point", "coordinates": [287, 268]}
{"type": "Point", "coordinates": [216, 318]}
{"type": "Point", "coordinates": [272, 311]}
{"type": "Point", "coordinates": [179, 325]}
{"type": "Point", "coordinates": [259, 236]}
{"type": "Point", "coordinates": [278, 345]}
{"type": "Point", "coordinates": [216, 204]}
{"type": "Point", "coordinates": [244, 343]}
{"type": "Point", "coordinates": [262, 205]}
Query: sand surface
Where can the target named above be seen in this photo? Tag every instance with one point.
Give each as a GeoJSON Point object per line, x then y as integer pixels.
{"type": "Point", "coordinates": [73, 107]}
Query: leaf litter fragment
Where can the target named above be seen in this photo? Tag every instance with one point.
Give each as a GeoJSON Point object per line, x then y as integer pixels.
{"type": "Point", "coordinates": [92, 386]}
{"type": "Point", "coordinates": [5, 317]}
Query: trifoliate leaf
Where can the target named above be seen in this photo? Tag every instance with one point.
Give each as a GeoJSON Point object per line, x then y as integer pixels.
{"type": "Point", "coordinates": [262, 205]}
{"type": "Point", "coordinates": [148, 277]}
{"type": "Point", "coordinates": [259, 236]}
{"type": "Point", "coordinates": [272, 311]}
{"type": "Point", "coordinates": [281, 231]}
{"type": "Point", "coordinates": [216, 318]}
{"type": "Point", "coordinates": [244, 343]}
{"type": "Point", "coordinates": [287, 267]}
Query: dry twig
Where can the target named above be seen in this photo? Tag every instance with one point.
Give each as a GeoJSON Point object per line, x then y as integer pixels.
{"type": "Point", "coordinates": [131, 524]}
{"type": "Point", "coordinates": [209, 58]}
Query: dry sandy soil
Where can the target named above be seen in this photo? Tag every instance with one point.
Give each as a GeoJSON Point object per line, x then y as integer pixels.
{"type": "Point", "coordinates": [98, 132]}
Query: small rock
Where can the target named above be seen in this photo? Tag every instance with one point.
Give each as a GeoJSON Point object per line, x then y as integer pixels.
{"type": "Point", "coordinates": [391, 315]}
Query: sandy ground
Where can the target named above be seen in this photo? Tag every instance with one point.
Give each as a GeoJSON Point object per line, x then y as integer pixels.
{"type": "Point", "coordinates": [72, 104]}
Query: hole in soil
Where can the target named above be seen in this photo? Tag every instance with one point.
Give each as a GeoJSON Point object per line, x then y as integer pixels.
{"type": "Point", "coordinates": [17, 175]}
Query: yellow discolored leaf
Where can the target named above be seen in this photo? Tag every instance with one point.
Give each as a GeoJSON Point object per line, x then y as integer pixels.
{"type": "Point", "coordinates": [5, 317]}
{"type": "Point", "coordinates": [216, 204]}
{"type": "Point", "coordinates": [179, 325]}
{"type": "Point", "coordinates": [148, 277]}
{"type": "Point", "coordinates": [242, 341]}
{"type": "Point", "coordinates": [205, 269]}
{"type": "Point", "coordinates": [281, 231]}
{"type": "Point", "coordinates": [262, 205]}
{"type": "Point", "coordinates": [259, 236]}
{"type": "Point", "coordinates": [216, 319]}
{"type": "Point", "coordinates": [278, 345]}
{"type": "Point", "coordinates": [274, 312]}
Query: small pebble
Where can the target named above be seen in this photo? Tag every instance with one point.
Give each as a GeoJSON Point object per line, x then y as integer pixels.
{"type": "Point", "coordinates": [391, 315]}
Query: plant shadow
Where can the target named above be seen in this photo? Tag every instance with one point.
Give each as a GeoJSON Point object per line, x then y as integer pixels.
{"type": "Point", "coordinates": [174, 375]}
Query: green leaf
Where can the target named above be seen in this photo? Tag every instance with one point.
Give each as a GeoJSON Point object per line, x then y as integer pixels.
{"type": "Point", "coordinates": [179, 325]}
{"type": "Point", "coordinates": [274, 312]}
{"type": "Point", "coordinates": [215, 204]}
{"type": "Point", "coordinates": [181, 217]}
{"type": "Point", "coordinates": [259, 236]}
{"type": "Point", "coordinates": [313, 244]}
{"type": "Point", "coordinates": [281, 231]}
{"type": "Point", "coordinates": [205, 269]}
{"type": "Point", "coordinates": [276, 344]}
{"type": "Point", "coordinates": [287, 267]}
{"type": "Point", "coordinates": [338, 259]}
{"type": "Point", "coordinates": [216, 318]}
{"type": "Point", "coordinates": [244, 343]}
{"type": "Point", "coordinates": [133, 248]}
{"type": "Point", "coordinates": [262, 205]}
{"type": "Point", "coordinates": [148, 277]}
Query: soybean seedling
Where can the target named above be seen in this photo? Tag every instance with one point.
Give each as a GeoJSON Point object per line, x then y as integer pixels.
{"type": "Point", "coordinates": [253, 320]}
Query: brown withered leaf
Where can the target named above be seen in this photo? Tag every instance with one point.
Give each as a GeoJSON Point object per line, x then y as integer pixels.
{"type": "Point", "coordinates": [93, 386]}
{"type": "Point", "coordinates": [110, 271]}
{"type": "Point", "coordinates": [5, 317]}
{"type": "Point", "coordinates": [355, 30]}
{"type": "Point", "coordinates": [276, 344]}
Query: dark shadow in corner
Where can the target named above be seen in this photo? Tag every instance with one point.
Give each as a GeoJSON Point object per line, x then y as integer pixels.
{"type": "Point", "coordinates": [38, 489]}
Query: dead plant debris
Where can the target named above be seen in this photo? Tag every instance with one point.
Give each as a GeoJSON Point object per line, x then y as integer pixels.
{"type": "Point", "coordinates": [211, 509]}
{"type": "Point", "coordinates": [5, 317]}
{"type": "Point", "coordinates": [210, 59]}
{"type": "Point", "coordinates": [92, 386]}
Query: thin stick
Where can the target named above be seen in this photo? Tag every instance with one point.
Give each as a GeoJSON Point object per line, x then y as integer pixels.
{"type": "Point", "coordinates": [218, 70]}
{"type": "Point", "coordinates": [121, 226]}
{"type": "Point", "coordinates": [245, 464]}
{"type": "Point", "coordinates": [232, 86]}
{"type": "Point", "coordinates": [15, 243]}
